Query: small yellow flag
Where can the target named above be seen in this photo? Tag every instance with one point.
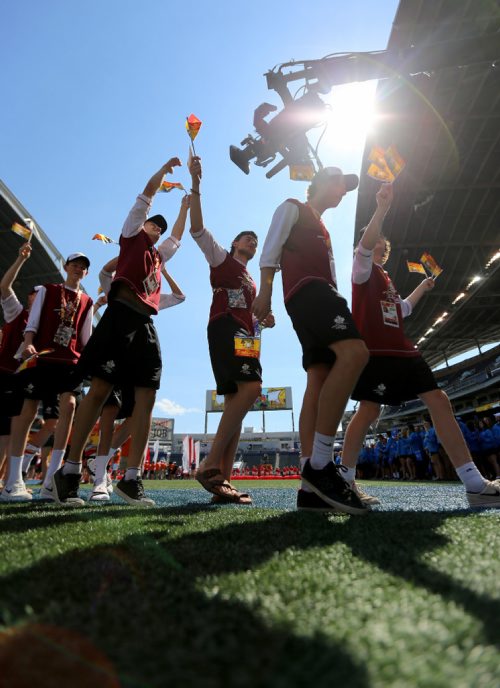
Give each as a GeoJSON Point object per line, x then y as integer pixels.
{"type": "Point", "coordinates": [22, 231]}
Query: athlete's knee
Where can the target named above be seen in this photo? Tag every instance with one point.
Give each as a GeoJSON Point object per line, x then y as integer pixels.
{"type": "Point", "coordinates": [370, 410]}
{"type": "Point", "coordinates": [99, 390]}
{"type": "Point", "coordinates": [352, 353]}
{"type": "Point", "coordinates": [437, 400]}
{"type": "Point", "coordinates": [252, 389]}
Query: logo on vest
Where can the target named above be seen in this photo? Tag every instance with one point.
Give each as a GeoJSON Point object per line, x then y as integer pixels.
{"type": "Point", "coordinates": [339, 323]}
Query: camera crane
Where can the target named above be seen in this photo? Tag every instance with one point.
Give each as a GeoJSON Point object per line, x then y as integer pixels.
{"type": "Point", "coordinates": [285, 133]}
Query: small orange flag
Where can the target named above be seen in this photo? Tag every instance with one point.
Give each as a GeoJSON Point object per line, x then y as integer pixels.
{"type": "Point", "coordinates": [22, 231]}
{"type": "Point", "coordinates": [103, 238]}
{"type": "Point", "coordinates": [386, 165]}
{"type": "Point", "coordinates": [33, 360]}
{"type": "Point", "coordinates": [193, 125]}
{"type": "Point", "coordinates": [166, 187]}
{"type": "Point", "coordinates": [431, 265]}
{"type": "Point", "coordinates": [416, 267]}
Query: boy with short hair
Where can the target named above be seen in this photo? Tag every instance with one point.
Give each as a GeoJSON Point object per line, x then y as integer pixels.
{"type": "Point", "coordinates": [125, 346]}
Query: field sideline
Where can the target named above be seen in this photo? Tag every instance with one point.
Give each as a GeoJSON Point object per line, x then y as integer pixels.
{"type": "Point", "coordinates": [188, 594]}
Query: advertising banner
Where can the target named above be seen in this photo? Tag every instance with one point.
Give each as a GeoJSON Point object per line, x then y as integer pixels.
{"type": "Point", "coordinates": [271, 399]}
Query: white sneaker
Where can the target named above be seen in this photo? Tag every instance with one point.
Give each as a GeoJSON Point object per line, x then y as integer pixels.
{"type": "Point", "coordinates": [364, 497]}
{"type": "Point", "coordinates": [489, 497]}
{"type": "Point", "coordinates": [17, 493]}
{"type": "Point", "coordinates": [100, 493]}
{"type": "Point", "coordinates": [47, 493]}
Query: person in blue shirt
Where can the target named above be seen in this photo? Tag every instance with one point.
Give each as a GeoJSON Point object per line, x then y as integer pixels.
{"type": "Point", "coordinates": [406, 457]}
{"type": "Point", "coordinates": [496, 432]}
{"type": "Point", "coordinates": [392, 454]}
{"type": "Point", "coordinates": [488, 443]}
{"type": "Point", "coordinates": [381, 451]}
{"type": "Point", "coordinates": [417, 450]}
{"type": "Point", "coordinates": [431, 446]}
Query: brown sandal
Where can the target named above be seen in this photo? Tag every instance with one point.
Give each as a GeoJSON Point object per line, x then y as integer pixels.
{"type": "Point", "coordinates": [212, 480]}
{"type": "Point", "coordinates": [235, 498]}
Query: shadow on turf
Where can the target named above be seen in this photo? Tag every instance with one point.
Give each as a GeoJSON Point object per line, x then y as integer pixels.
{"type": "Point", "coordinates": [140, 600]}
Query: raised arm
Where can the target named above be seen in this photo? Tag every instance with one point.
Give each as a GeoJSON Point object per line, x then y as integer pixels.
{"type": "Point", "coordinates": [140, 210]}
{"type": "Point", "coordinates": [180, 223]}
{"type": "Point", "coordinates": [172, 283]}
{"type": "Point", "coordinates": [424, 286]}
{"type": "Point", "coordinates": [12, 272]}
{"type": "Point", "coordinates": [195, 214]}
{"type": "Point", "coordinates": [154, 183]}
{"type": "Point", "coordinates": [374, 229]}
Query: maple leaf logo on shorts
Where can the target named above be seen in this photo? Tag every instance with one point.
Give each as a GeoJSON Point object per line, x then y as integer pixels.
{"type": "Point", "coordinates": [380, 389]}
{"type": "Point", "coordinates": [245, 369]}
{"type": "Point", "coordinates": [109, 366]}
{"type": "Point", "coordinates": [339, 323]}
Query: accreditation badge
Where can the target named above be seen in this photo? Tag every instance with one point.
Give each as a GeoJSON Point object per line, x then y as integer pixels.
{"type": "Point", "coordinates": [63, 335]}
{"type": "Point", "coordinates": [150, 284]}
{"type": "Point", "coordinates": [247, 346]}
{"type": "Point", "coordinates": [389, 313]}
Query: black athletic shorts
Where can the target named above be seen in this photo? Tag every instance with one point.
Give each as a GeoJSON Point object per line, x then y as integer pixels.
{"type": "Point", "coordinates": [228, 368]}
{"type": "Point", "coordinates": [320, 317]}
{"type": "Point", "coordinates": [47, 379]}
{"type": "Point", "coordinates": [124, 349]}
{"type": "Point", "coordinates": [124, 398]}
{"type": "Point", "coordinates": [394, 379]}
{"type": "Point", "coordinates": [11, 400]}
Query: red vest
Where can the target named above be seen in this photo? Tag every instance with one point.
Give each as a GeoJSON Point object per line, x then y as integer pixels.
{"type": "Point", "coordinates": [139, 267]}
{"type": "Point", "coordinates": [13, 333]}
{"type": "Point", "coordinates": [377, 313]}
{"type": "Point", "coordinates": [50, 320]}
{"type": "Point", "coordinates": [307, 252]}
{"type": "Point", "coordinates": [233, 292]}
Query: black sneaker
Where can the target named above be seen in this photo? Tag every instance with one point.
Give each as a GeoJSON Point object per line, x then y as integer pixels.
{"type": "Point", "coordinates": [132, 491]}
{"type": "Point", "coordinates": [309, 501]}
{"type": "Point", "coordinates": [331, 487]}
{"type": "Point", "coordinates": [65, 488]}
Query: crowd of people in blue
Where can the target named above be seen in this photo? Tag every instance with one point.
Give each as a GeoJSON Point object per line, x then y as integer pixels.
{"type": "Point", "coordinates": [414, 452]}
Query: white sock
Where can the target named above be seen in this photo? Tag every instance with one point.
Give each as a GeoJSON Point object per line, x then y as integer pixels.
{"type": "Point", "coordinates": [15, 471]}
{"type": "Point", "coordinates": [131, 474]}
{"type": "Point", "coordinates": [471, 477]}
{"type": "Point", "coordinates": [28, 457]}
{"type": "Point", "coordinates": [303, 486]}
{"type": "Point", "coordinates": [101, 463]}
{"type": "Point", "coordinates": [349, 474]}
{"type": "Point", "coordinates": [322, 450]}
{"type": "Point", "coordinates": [56, 458]}
{"type": "Point", "coordinates": [72, 467]}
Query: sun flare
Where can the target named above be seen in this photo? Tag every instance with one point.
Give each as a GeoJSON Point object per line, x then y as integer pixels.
{"type": "Point", "coordinates": [352, 116]}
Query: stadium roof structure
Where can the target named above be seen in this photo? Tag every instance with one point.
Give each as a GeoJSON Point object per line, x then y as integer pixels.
{"type": "Point", "coordinates": [446, 125]}
{"type": "Point", "coordinates": [45, 263]}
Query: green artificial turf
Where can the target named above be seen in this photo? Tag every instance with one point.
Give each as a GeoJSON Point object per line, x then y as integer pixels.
{"type": "Point", "coordinates": [216, 597]}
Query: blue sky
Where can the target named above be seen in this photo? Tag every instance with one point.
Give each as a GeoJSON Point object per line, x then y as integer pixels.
{"type": "Point", "coordinates": [94, 101]}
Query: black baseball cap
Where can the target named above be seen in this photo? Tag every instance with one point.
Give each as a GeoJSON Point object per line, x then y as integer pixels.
{"type": "Point", "coordinates": [159, 221]}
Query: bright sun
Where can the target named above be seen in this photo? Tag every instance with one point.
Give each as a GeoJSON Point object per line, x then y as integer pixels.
{"type": "Point", "coordinates": [352, 115]}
